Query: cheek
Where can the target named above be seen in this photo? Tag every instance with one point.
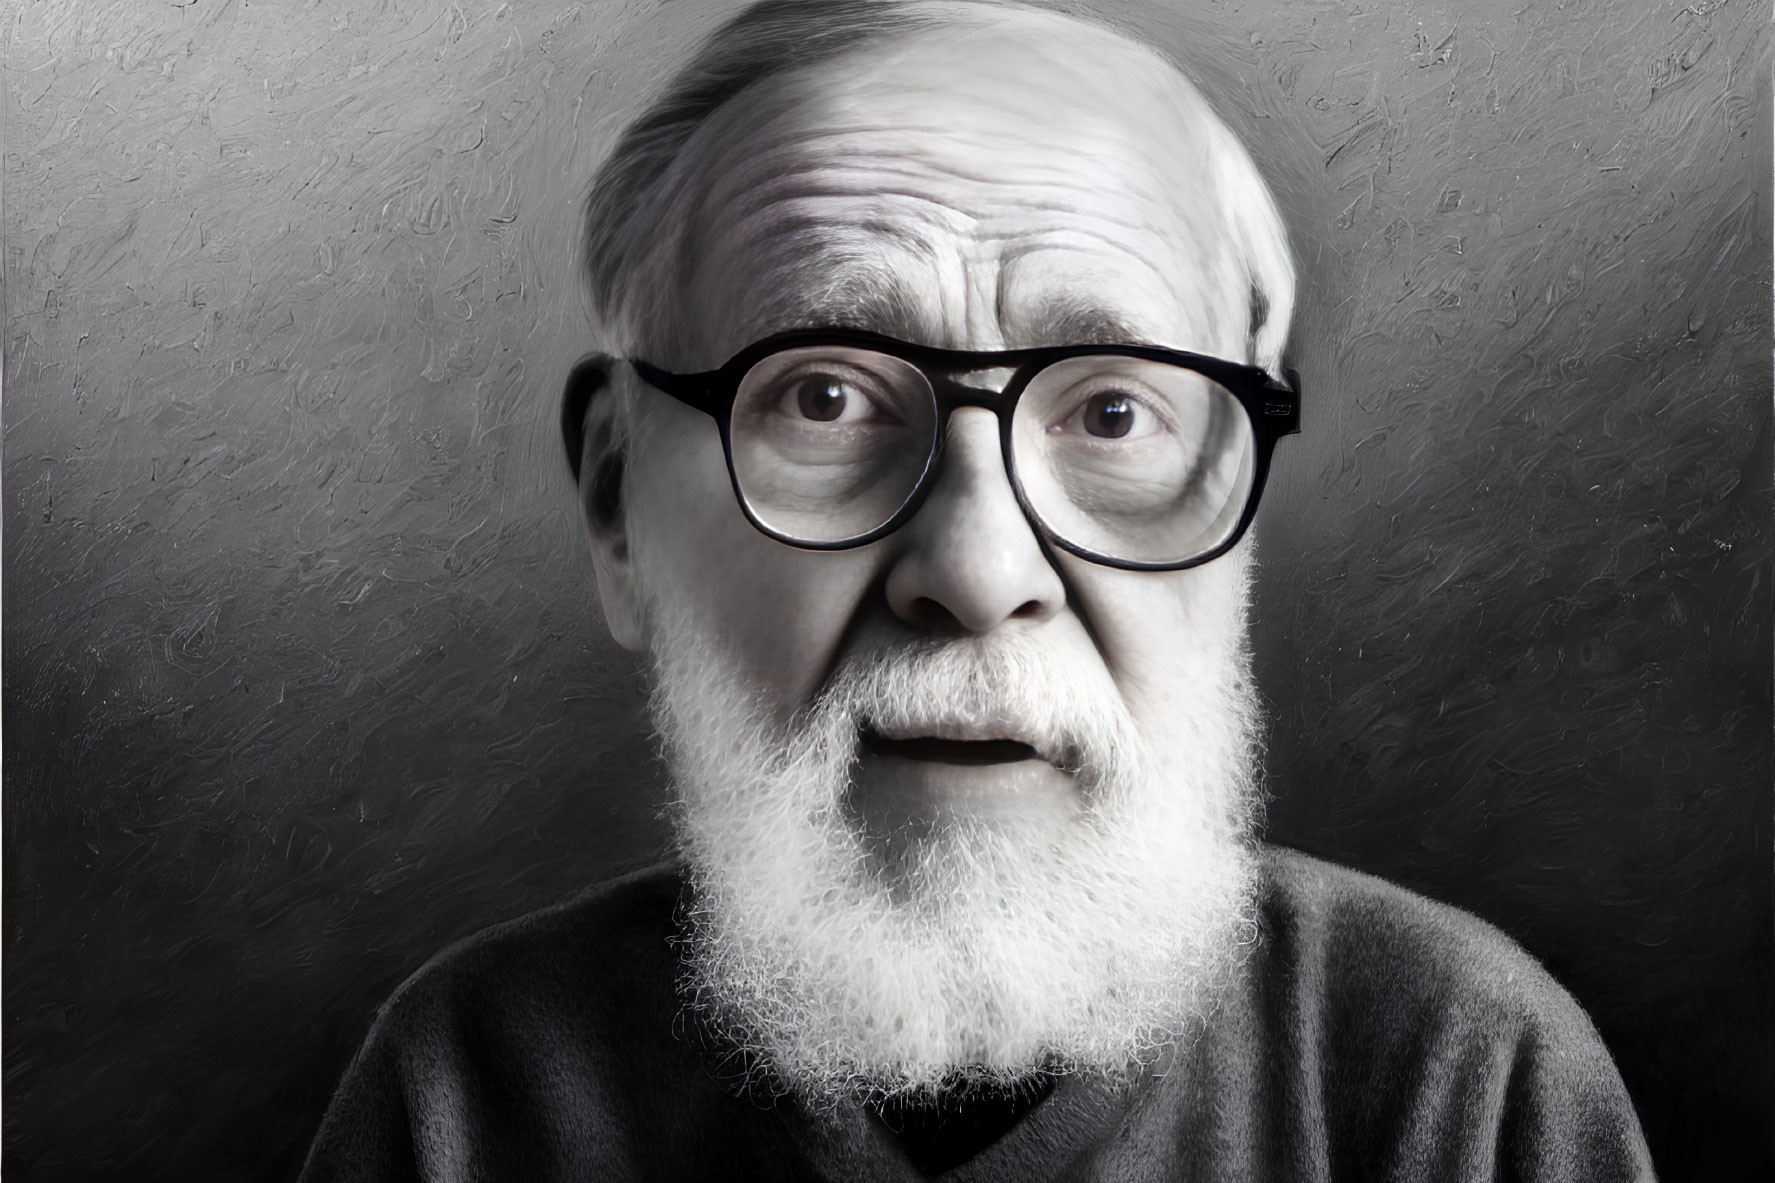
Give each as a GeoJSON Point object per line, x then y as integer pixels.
{"type": "Point", "coordinates": [1167, 637]}
{"type": "Point", "coordinates": [780, 612]}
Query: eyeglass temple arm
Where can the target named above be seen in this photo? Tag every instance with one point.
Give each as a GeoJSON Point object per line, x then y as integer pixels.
{"type": "Point", "coordinates": [1281, 406]}
{"type": "Point", "coordinates": [700, 391]}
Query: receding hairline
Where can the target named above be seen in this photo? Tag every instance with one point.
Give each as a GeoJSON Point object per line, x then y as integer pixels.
{"type": "Point", "coordinates": [635, 215]}
{"type": "Point", "coordinates": [778, 41]}
{"type": "Point", "coordinates": [765, 40]}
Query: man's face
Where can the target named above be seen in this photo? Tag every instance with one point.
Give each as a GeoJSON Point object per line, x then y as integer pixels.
{"type": "Point", "coordinates": [960, 198]}
{"type": "Point", "coordinates": [969, 190]}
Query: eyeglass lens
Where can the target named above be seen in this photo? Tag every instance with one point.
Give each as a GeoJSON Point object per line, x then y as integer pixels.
{"type": "Point", "coordinates": [1136, 460]}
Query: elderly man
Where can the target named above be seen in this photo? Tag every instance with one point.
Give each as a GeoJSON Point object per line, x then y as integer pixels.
{"type": "Point", "coordinates": [941, 373]}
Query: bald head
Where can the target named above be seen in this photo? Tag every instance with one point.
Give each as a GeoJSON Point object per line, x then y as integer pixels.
{"type": "Point", "coordinates": [959, 174]}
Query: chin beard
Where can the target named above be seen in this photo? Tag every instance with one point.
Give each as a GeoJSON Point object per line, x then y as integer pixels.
{"type": "Point", "coordinates": [988, 950]}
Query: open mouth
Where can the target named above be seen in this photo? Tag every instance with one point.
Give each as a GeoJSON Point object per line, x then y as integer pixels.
{"type": "Point", "coordinates": [950, 751]}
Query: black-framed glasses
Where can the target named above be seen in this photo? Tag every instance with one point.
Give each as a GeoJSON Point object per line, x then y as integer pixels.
{"type": "Point", "coordinates": [1132, 456]}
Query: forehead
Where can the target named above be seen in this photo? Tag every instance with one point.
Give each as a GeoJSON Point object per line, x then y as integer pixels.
{"type": "Point", "coordinates": [973, 189]}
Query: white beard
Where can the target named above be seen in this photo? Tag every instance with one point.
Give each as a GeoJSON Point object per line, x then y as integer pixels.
{"type": "Point", "coordinates": [991, 950]}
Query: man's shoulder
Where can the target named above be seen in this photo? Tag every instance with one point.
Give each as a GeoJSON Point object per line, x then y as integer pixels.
{"type": "Point", "coordinates": [1337, 911]}
{"type": "Point", "coordinates": [605, 948]}
{"type": "Point", "coordinates": [1412, 1020]}
{"type": "Point", "coordinates": [512, 1046]}
{"type": "Point", "coordinates": [545, 1047]}
{"type": "Point", "coordinates": [636, 904]}
{"type": "Point", "coordinates": [1351, 931]}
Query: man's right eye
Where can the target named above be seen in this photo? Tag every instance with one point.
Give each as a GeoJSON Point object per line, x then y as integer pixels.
{"type": "Point", "coordinates": [827, 398]}
{"type": "Point", "coordinates": [821, 399]}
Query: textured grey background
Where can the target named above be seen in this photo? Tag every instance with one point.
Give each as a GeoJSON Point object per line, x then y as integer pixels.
{"type": "Point", "coordinates": [303, 673]}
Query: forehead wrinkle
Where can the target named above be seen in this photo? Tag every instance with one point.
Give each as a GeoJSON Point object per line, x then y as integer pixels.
{"type": "Point", "coordinates": [997, 212]}
{"type": "Point", "coordinates": [871, 223]}
{"type": "Point", "coordinates": [797, 213]}
{"type": "Point", "coordinates": [811, 262]}
{"type": "Point", "coordinates": [881, 278]}
{"type": "Point", "coordinates": [949, 154]}
{"type": "Point", "coordinates": [1013, 246]}
{"type": "Point", "coordinates": [790, 148]}
{"type": "Point", "coordinates": [767, 203]}
{"type": "Point", "coordinates": [893, 214]}
{"type": "Point", "coordinates": [883, 274]}
{"type": "Point", "coordinates": [1024, 187]}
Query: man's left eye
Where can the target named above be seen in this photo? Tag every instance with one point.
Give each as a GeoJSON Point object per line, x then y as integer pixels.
{"type": "Point", "coordinates": [1111, 415]}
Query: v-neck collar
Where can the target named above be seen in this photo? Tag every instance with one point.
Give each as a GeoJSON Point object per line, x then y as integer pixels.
{"type": "Point", "coordinates": [849, 1142]}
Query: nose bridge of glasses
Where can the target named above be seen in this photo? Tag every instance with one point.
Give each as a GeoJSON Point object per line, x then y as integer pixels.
{"type": "Point", "coordinates": [988, 378]}
{"type": "Point", "coordinates": [984, 386]}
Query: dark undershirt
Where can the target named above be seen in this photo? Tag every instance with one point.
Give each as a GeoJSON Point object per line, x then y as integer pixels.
{"type": "Point", "coordinates": [942, 1132]}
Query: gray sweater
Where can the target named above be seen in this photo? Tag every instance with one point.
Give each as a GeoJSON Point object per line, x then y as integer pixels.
{"type": "Point", "coordinates": [1373, 1035]}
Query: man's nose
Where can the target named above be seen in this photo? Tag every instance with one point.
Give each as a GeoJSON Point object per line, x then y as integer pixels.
{"type": "Point", "coordinates": [969, 557]}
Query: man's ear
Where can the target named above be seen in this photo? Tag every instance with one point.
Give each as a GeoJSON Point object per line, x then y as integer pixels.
{"type": "Point", "coordinates": [597, 454]}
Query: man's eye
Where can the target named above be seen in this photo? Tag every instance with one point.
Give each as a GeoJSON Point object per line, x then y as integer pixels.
{"type": "Point", "coordinates": [826, 399]}
{"type": "Point", "coordinates": [1112, 415]}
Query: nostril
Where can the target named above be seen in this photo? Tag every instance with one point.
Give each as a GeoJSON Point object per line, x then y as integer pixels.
{"type": "Point", "coordinates": [1029, 608]}
{"type": "Point", "coordinates": [929, 612]}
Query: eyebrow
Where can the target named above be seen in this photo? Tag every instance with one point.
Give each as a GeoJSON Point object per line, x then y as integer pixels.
{"type": "Point", "coordinates": [1072, 322]}
{"type": "Point", "coordinates": [881, 304]}
{"type": "Point", "coordinates": [873, 303]}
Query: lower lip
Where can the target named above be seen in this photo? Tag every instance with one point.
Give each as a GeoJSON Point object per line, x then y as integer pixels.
{"type": "Point", "coordinates": [897, 788]}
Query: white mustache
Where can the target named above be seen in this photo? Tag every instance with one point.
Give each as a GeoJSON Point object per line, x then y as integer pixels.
{"type": "Point", "coordinates": [981, 689]}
